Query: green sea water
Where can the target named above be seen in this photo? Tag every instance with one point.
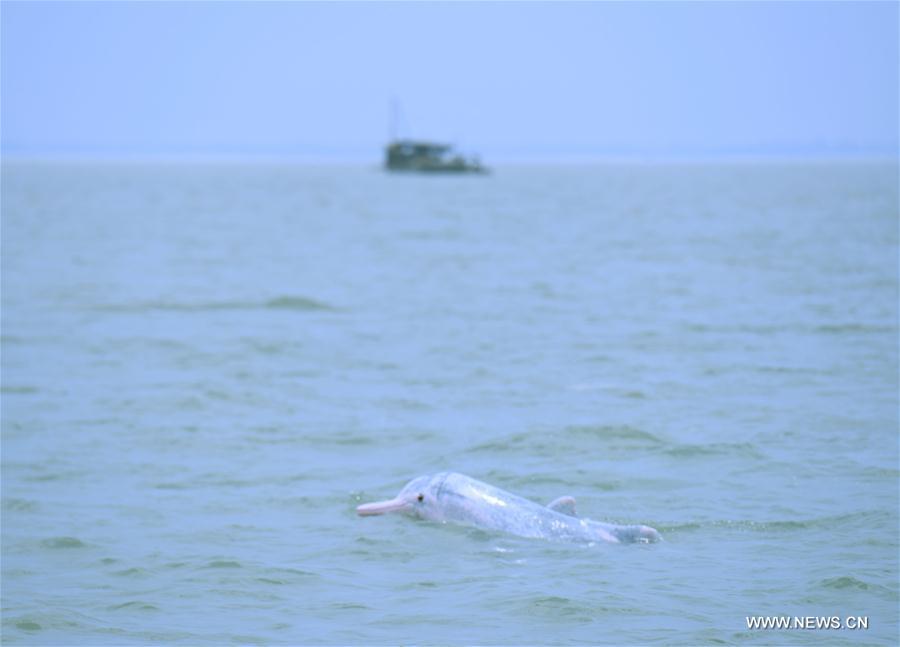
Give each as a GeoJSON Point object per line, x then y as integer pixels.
{"type": "Point", "coordinates": [206, 368]}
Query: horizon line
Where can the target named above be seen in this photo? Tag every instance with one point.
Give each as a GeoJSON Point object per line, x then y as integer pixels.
{"type": "Point", "coordinates": [508, 159]}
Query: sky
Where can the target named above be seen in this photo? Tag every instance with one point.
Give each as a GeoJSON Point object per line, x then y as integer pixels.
{"type": "Point", "coordinates": [506, 80]}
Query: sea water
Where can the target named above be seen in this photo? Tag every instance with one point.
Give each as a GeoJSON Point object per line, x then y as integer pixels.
{"type": "Point", "coordinates": [206, 368]}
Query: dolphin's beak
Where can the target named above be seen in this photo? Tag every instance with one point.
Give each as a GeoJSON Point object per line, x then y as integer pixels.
{"type": "Point", "coordinates": [380, 507]}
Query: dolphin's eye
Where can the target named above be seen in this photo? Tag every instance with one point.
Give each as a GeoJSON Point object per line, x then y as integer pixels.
{"type": "Point", "coordinates": [421, 497]}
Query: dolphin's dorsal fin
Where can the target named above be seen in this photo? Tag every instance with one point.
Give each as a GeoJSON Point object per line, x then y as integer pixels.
{"type": "Point", "coordinates": [564, 505]}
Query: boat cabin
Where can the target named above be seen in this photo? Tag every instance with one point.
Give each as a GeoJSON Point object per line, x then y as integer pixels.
{"type": "Point", "coordinates": [428, 157]}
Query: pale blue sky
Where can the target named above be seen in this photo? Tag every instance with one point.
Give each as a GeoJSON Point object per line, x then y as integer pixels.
{"type": "Point", "coordinates": [505, 79]}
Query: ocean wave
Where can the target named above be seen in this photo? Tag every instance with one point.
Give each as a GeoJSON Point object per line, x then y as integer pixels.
{"type": "Point", "coordinates": [288, 303]}
{"type": "Point", "coordinates": [570, 438]}
{"type": "Point", "coordinates": [845, 582]}
{"type": "Point", "coordinates": [613, 433]}
{"type": "Point", "coordinates": [849, 327]}
{"type": "Point", "coordinates": [747, 450]}
{"type": "Point", "coordinates": [851, 582]}
{"type": "Point", "coordinates": [776, 526]}
{"type": "Point", "coordinates": [135, 571]}
{"type": "Point", "coordinates": [133, 605]}
{"type": "Point", "coordinates": [14, 504]}
{"type": "Point", "coordinates": [56, 543]}
{"type": "Point", "coordinates": [18, 390]}
{"type": "Point", "coordinates": [224, 563]}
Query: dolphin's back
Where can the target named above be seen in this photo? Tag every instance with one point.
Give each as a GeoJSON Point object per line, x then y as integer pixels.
{"type": "Point", "coordinates": [468, 501]}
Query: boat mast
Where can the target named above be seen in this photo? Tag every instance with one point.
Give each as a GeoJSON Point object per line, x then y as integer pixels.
{"type": "Point", "coordinates": [392, 121]}
{"type": "Point", "coordinates": [397, 126]}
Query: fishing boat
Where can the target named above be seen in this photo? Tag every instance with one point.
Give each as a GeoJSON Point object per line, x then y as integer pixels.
{"type": "Point", "coordinates": [428, 157]}
{"type": "Point", "coordinates": [405, 154]}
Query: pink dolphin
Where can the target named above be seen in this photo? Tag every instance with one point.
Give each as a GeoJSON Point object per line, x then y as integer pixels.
{"type": "Point", "coordinates": [449, 497]}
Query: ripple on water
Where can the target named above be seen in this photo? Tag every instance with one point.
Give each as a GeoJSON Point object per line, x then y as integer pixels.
{"type": "Point", "coordinates": [845, 582]}
{"type": "Point", "coordinates": [743, 450]}
{"type": "Point", "coordinates": [573, 610]}
{"type": "Point", "coordinates": [207, 481]}
{"type": "Point", "coordinates": [288, 302]}
{"type": "Point", "coordinates": [60, 543]}
{"type": "Point", "coordinates": [849, 584]}
{"type": "Point", "coordinates": [297, 303]}
{"type": "Point", "coordinates": [133, 605]}
{"type": "Point", "coordinates": [18, 390]}
{"type": "Point", "coordinates": [781, 525]}
{"type": "Point", "coordinates": [47, 477]}
{"type": "Point", "coordinates": [340, 439]}
{"type": "Point", "coordinates": [13, 504]}
{"type": "Point", "coordinates": [224, 563]}
{"type": "Point", "coordinates": [611, 433]}
{"type": "Point", "coordinates": [56, 620]}
{"type": "Point", "coordinates": [287, 575]}
{"type": "Point", "coordinates": [573, 437]}
{"type": "Point", "coordinates": [135, 572]}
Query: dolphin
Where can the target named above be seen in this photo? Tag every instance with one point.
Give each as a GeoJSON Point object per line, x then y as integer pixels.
{"type": "Point", "coordinates": [449, 497]}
